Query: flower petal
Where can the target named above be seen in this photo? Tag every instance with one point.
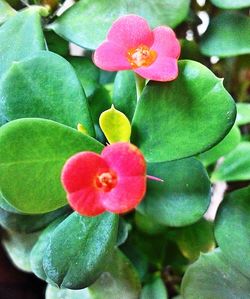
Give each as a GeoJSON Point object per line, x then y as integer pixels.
{"type": "Point", "coordinates": [86, 202]}
{"type": "Point", "coordinates": [111, 57]}
{"type": "Point", "coordinates": [125, 159]}
{"type": "Point", "coordinates": [130, 31]}
{"type": "Point", "coordinates": [80, 171]}
{"type": "Point", "coordinates": [127, 194]}
{"type": "Point", "coordinates": [163, 69]}
{"type": "Point", "coordinates": [165, 42]}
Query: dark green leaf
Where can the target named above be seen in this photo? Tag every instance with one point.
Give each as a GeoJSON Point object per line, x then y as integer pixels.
{"type": "Point", "coordinates": [95, 17]}
{"type": "Point", "coordinates": [197, 112]}
{"type": "Point", "coordinates": [227, 35]}
{"type": "Point", "coordinates": [45, 85]}
{"type": "Point", "coordinates": [212, 277]}
{"type": "Point", "coordinates": [79, 249]}
{"type": "Point", "coordinates": [179, 200]}
{"type": "Point", "coordinates": [56, 44]}
{"type": "Point", "coordinates": [32, 154]}
{"type": "Point", "coordinates": [155, 289]}
{"type": "Point", "coordinates": [232, 229]}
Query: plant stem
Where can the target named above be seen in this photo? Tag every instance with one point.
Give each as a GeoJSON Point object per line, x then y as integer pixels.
{"type": "Point", "coordinates": [140, 83]}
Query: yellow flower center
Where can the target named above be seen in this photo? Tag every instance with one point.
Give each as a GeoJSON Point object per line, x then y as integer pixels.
{"type": "Point", "coordinates": [141, 56]}
{"type": "Point", "coordinates": [106, 181]}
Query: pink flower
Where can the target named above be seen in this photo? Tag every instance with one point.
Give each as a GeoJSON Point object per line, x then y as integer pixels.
{"type": "Point", "coordinates": [114, 181]}
{"type": "Point", "coordinates": [131, 44]}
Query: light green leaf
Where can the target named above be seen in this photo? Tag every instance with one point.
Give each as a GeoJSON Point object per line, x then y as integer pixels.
{"type": "Point", "coordinates": [44, 85]}
{"type": "Point", "coordinates": [18, 247]}
{"type": "Point", "coordinates": [115, 125]}
{"type": "Point", "coordinates": [236, 165]}
{"type": "Point", "coordinates": [56, 293]}
{"type": "Point", "coordinates": [179, 200]}
{"type": "Point", "coordinates": [231, 4]}
{"type": "Point", "coordinates": [119, 281]}
{"type": "Point", "coordinates": [79, 249]}
{"type": "Point", "coordinates": [212, 277]}
{"type": "Point", "coordinates": [232, 229]}
{"type": "Point", "coordinates": [221, 149]}
{"type": "Point", "coordinates": [155, 289]}
{"type": "Point", "coordinates": [197, 111]}
{"type": "Point", "coordinates": [18, 44]}
{"type": "Point", "coordinates": [6, 11]}
{"type": "Point", "coordinates": [227, 35]}
{"type": "Point", "coordinates": [96, 17]}
{"type": "Point", "coordinates": [243, 114]}
{"type": "Point", "coordinates": [32, 154]}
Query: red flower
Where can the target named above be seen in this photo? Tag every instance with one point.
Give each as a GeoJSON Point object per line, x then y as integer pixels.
{"type": "Point", "coordinates": [131, 44]}
{"type": "Point", "coordinates": [114, 181]}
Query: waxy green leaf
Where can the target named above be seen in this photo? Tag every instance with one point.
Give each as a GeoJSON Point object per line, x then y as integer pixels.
{"type": "Point", "coordinates": [44, 85]}
{"type": "Point", "coordinates": [154, 289]}
{"type": "Point", "coordinates": [243, 114]}
{"type": "Point", "coordinates": [21, 43]}
{"type": "Point", "coordinates": [6, 11]}
{"type": "Point", "coordinates": [96, 17]}
{"type": "Point", "coordinates": [79, 250]}
{"type": "Point", "coordinates": [120, 280]}
{"type": "Point", "coordinates": [56, 293]}
{"type": "Point", "coordinates": [231, 4]}
{"type": "Point", "coordinates": [179, 200]}
{"type": "Point", "coordinates": [212, 276]}
{"type": "Point", "coordinates": [32, 154]}
{"type": "Point", "coordinates": [232, 229]}
{"type": "Point", "coordinates": [236, 165]}
{"type": "Point", "coordinates": [228, 34]}
{"type": "Point", "coordinates": [187, 116]}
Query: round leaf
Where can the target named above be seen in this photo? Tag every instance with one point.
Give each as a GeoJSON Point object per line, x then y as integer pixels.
{"type": "Point", "coordinates": [197, 112]}
{"type": "Point", "coordinates": [154, 289]}
{"type": "Point", "coordinates": [44, 85]}
{"type": "Point", "coordinates": [227, 35]}
{"type": "Point", "coordinates": [213, 277]}
{"type": "Point", "coordinates": [6, 11]}
{"type": "Point", "coordinates": [243, 114]}
{"type": "Point", "coordinates": [79, 249]}
{"type": "Point", "coordinates": [32, 154]}
{"type": "Point", "coordinates": [231, 4]}
{"type": "Point", "coordinates": [179, 200]}
{"type": "Point", "coordinates": [56, 293]}
{"type": "Point", "coordinates": [95, 17]}
{"type": "Point", "coordinates": [232, 229]}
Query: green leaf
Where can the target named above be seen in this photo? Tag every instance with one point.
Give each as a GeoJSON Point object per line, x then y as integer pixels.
{"type": "Point", "coordinates": [79, 249]}
{"type": "Point", "coordinates": [179, 200]}
{"type": "Point", "coordinates": [96, 17]}
{"type": "Point", "coordinates": [231, 4]}
{"type": "Point", "coordinates": [6, 11]}
{"type": "Point", "coordinates": [115, 125]}
{"type": "Point", "coordinates": [123, 230]}
{"type": "Point", "coordinates": [236, 165]}
{"type": "Point", "coordinates": [32, 154]}
{"type": "Point", "coordinates": [227, 35]}
{"type": "Point", "coordinates": [28, 223]}
{"type": "Point", "coordinates": [148, 226]}
{"type": "Point", "coordinates": [155, 289]}
{"type": "Point", "coordinates": [56, 44]}
{"type": "Point", "coordinates": [212, 277]}
{"type": "Point", "coordinates": [18, 247]}
{"type": "Point", "coordinates": [232, 229]}
{"type": "Point", "coordinates": [56, 293]}
{"type": "Point", "coordinates": [44, 85]}
{"type": "Point", "coordinates": [124, 94]}
{"type": "Point", "coordinates": [6, 206]}
{"type": "Point", "coordinates": [18, 44]}
{"type": "Point", "coordinates": [119, 281]}
{"type": "Point", "coordinates": [87, 73]}
{"type": "Point", "coordinates": [243, 114]}
{"type": "Point", "coordinates": [195, 238]}
{"type": "Point", "coordinates": [39, 249]}
{"type": "Point", "coordinates": [197, 112]}
{"type": "Point", "coordinates": [221, 149]}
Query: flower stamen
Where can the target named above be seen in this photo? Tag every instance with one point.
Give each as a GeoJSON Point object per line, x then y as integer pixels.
{"type": "Point", "coordinates": [141, 56]}
{"type": "Point", "coordinates": [106, 181]}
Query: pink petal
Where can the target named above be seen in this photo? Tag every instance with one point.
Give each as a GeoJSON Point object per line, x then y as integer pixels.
{"type": "Point", "coordinates": [80, 171]}
{"type": "Point", "coordinates": [111, 57]}
{"type": "Point", "coordinates": [163, 69]}
{"type": "Point", "coordinates": [130, 31]}
{"type": "Point", "coordinates": [125, 159]}
{"type": "Point", "coordinates": [86, 202]}
{"type": "Point", "coordinates": [127, 194]}
{"type": "Point", "coordinates": [165, 42]}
